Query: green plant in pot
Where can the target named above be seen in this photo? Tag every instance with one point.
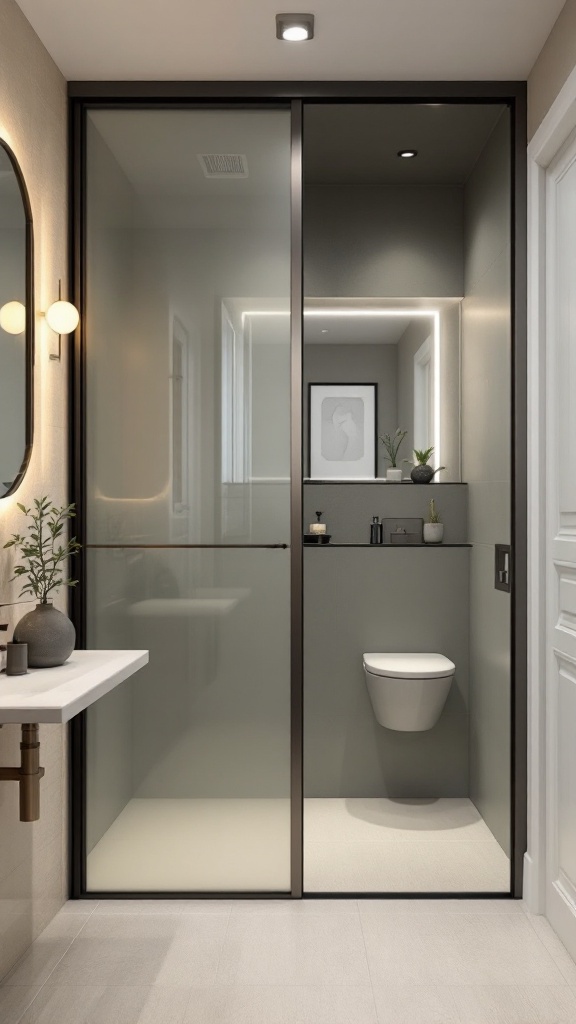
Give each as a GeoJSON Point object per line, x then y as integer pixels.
{"type": "Point", "coordinates": [422, 473]}
{"type": "Point", "coordinates": [434, 528]}
{"type": "Point", "coordinates": [44, 554]}
{"type": "Point", "coordinates": [391, 443]}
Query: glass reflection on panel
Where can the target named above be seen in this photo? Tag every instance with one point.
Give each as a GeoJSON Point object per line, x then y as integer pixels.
{"type": "Point", "coordinates": [255, 419]}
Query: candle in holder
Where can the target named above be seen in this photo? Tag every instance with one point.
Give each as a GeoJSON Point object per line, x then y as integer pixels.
{"type": "Point", "coordinates": [318, 527]}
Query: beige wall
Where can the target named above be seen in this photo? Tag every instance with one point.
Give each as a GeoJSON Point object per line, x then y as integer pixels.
{"type": "Point", "coordinates": [33, 123]}
{"type": "Point", "coordinates": [555, 62]}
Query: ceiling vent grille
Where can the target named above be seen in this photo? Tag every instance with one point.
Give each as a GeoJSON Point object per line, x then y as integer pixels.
{"type": "Point", "coordinates": [224, 165]}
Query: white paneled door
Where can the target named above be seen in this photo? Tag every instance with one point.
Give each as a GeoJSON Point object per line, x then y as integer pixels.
{"type": "Point", "coordinates": [561, 543]}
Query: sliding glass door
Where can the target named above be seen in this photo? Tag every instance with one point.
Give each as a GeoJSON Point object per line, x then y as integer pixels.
{"type": "Point", "coordinates": [187, 377]}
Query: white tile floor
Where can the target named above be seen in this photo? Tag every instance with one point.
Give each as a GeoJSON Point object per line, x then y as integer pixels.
{"type": "Point", "coordinates": [309, 962]}
{"type": "Point", "coordinates": [368, 845]}
{"type": "Point", "coordinates": [350, 845]}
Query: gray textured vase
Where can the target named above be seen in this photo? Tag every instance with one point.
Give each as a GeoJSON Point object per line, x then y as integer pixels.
{"type": "Point", "coordinates": [49, 634]}
{"type": "Point", "coordinates": [422, 474]}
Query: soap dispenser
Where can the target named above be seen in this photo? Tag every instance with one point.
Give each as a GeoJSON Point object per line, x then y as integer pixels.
{"type": "Point", "coordinates": [376, 531]}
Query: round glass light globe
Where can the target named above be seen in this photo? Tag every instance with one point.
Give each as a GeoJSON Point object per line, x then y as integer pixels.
{"type": "Point", "coordinates": [13, 318]}
{"type": "Point", "coordinates": [295, 33]}
{"type": "Point", "coordinates": [62, 317]}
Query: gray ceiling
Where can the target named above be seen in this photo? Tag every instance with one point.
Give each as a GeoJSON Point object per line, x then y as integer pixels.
{"type": "Point", "coordinates": [357, 144]}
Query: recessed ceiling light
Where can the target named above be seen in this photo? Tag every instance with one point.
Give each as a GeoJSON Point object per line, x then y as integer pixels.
{"type": "Point", "coordinates": [407, 154]}
{"type": "Point", "coordinates": [295, 28]}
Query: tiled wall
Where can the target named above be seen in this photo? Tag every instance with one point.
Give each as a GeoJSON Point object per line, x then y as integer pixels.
{"type": "Point", "coordinates": [33, 123]}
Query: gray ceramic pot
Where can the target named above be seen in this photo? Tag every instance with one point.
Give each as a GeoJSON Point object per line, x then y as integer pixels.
{"type": "Point", "coordinates": [49, 634]}
{"type": "Point", "coordinates": [422, 474]}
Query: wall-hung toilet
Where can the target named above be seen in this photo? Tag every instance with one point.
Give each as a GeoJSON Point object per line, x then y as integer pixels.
{"type": "Point", "coordinates": [408, 691]}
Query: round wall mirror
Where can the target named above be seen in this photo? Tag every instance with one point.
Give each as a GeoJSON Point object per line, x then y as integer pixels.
{"type": "Point", "coordinates": [16, 324]}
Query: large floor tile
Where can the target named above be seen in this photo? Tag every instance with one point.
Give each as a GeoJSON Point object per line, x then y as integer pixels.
{"type": "Point", "coordinates": [456, 949]}
{"type": "Point", "coordinates": [85, 907]}
{"type": "Point", "coordinates": [415, 866]}
{"type": "Point", "coordinates": [195, 951]}
{"type": "Point", "coordinates": [37, 964]}
{"type": "Point", "coordinates": [138, 907]}
{"type": "Point", "coordinates": [148, 846]}
{"type": "Point", "coordinates": [357, 819]}
{"type": "Point", "coordinates": [555, 947]}
{"type": "Point", "coordinates": [293, 949]}
{"type": "Point", "coordinates": [14, 1000]}
{"type": "Point", "coordinates": [415, 1004]}
{"type": "Point", "coordinates": [304, 906]}
{"type": "Point", "coordinates": [441, 906]}
{"type": "Point", "coordinates": [282, 1004]}
{"type": "Point", "coordinates": [62, 1004]}
{"type": "Point", "coordinates": [119, 950]}
{"type": "Point", "coordinates": [515, 1004]}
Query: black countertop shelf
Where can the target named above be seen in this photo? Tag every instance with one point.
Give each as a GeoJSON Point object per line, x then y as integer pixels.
{"type": "Point", "coordinates": [365, 544]}
{"type": "Point", "coordinates": [388, 483]}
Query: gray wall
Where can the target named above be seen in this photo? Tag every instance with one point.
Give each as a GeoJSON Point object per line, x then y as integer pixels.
{"type": "Point", "coordinates": [399, 242]}
{"type": "Point", "coordinates": [381, 599]}
{"type": "Point", "coordinates": [486, 331]}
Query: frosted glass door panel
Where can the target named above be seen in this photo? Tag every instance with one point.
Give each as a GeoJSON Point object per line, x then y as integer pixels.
{"type": "Point", "coordinates": [189, 764]}
{"type": "Point", "coordinates": [188, 328]}
{"type": "Point", "coordinates": [188, 490]}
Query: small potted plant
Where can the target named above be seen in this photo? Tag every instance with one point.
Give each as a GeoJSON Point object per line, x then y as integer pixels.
{"type": "Point", "coordinates": [422, 473]}
{"type": "Point", "coordinates": [433, 529]}
{"type": "Point", "coordinates": [48, 632]}
{"type": "Point", "coordinates": [392, 443]}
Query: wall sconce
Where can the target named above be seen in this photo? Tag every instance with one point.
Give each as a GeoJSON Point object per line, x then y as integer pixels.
{"type": "Point", "coordinates": [63, 318]}
{"type": "Point", "coordinates": [13, 317]}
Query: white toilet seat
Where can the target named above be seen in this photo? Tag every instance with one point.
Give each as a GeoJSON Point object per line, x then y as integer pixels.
{"type": "Point", "coordinates": [409, 666]}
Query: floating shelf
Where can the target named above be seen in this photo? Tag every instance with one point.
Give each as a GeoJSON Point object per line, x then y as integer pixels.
{"type": "Point", "coordinates": [365, 544]}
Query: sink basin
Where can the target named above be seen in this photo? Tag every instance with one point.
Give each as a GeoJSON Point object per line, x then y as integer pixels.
{"type": "Point", "coordinates": [57, 694]}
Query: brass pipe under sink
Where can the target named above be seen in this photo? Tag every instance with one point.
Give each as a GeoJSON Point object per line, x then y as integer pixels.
{"type": "Point", "coordinates": [29, 773]}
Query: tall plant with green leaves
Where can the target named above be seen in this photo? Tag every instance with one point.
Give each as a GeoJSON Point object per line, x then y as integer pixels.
{"type": "Point", "coordinates": [43, 549]}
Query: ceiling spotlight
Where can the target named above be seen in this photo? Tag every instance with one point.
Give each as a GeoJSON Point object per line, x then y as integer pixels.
{"type": "Point", "coordinates": [295, 28]}
{"type": "Point", "coordinates": [407, 154]}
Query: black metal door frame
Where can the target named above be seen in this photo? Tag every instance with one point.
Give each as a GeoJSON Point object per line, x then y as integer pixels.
{"type": "Point", "coordinates": [130, 95]}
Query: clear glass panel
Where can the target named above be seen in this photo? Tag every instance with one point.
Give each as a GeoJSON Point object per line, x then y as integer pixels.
{"type": "Point", "coordinates": [407, 277]}
{"type": "Point", "coordinates": [188, 340]}
{"type": "Point", "coordinates": [188, 396]}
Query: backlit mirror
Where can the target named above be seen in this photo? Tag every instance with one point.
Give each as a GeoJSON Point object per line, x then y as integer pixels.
{"type": "Point", "coordinates": [16, 323]}
{"type": "Point", "coordinates": [409, 349]}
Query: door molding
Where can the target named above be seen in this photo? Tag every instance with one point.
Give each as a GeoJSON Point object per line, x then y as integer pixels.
{"type": "Point", "coordinates": [545, 146]}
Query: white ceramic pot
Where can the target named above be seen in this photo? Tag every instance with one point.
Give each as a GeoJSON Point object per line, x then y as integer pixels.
{"type": "Point", "coordinates": [433, 533]}
{"type": "Point", "coordinates": [394, 475]}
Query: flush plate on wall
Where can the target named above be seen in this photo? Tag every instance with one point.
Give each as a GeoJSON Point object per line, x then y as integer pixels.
{"type": "Point", "coordinates": [503, 567]}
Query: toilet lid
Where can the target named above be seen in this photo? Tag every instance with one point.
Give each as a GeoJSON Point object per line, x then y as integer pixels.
{"type": "Point", "coordinates": [409, 666]}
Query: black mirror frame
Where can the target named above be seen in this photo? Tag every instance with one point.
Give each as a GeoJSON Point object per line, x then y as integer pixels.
{"type": "Point", "coordinates": [30, 320]}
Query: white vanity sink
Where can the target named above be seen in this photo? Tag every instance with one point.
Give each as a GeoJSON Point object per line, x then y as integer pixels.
{"type": "Point", "coordinates": [57, 694]}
